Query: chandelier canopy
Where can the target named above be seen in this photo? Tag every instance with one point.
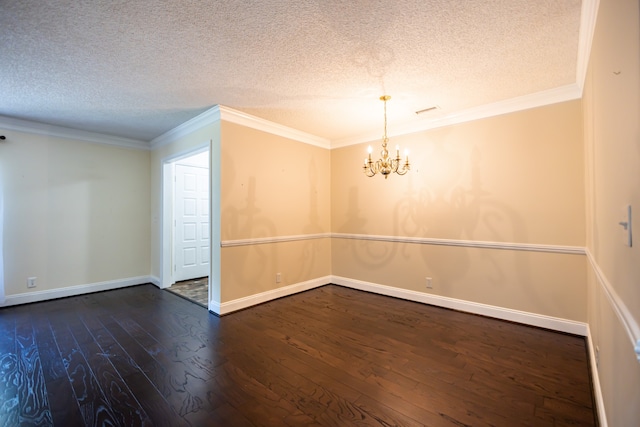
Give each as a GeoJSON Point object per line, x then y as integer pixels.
{"type": "Point", "coordinates": [386, 165]}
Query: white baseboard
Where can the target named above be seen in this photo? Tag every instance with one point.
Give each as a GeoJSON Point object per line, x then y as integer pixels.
{"type": "Point", "coordinates": [69, 291]}
{"type": "Point", "coordinates": [155, 281]}
{"type": "Point", "coordinates": [595, 378]}
{"type": "Point", "coordinates": [251, 300]}
{"type": "Point", "coordinates": [533, 319]}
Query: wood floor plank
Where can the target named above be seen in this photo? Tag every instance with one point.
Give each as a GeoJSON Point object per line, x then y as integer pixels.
{"type": "Point", "coordinates": [227, 415]}
{"type": "Point", "coordinates": [149, 382]}
{"type": "Point", "coordinates": [125, 408]}
{"type": "Point", "coordinates": [326, 357]}
{"type": "Point", "coordinates": [336, 388]}
{"type": "Point", "coordinates": [9, 372]}
{"type": "Point", "coordinates": [32, 393]}
{"type": "Point", "coordinates": [308, 397]}
{"type": "Point", "coordinates": [52, 364]}
{"type": "Point", "coordinates": [94, 407]}
{"type": "Point", "coordinates": [63, 403]}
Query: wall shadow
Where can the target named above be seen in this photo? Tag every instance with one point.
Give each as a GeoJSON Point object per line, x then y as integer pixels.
{"type": "Point", "coordinates": [458, 207]}
{"type": "Point", "coordinates": [247, 220]}
{"type": "Point", "coordinates": [310, 248]}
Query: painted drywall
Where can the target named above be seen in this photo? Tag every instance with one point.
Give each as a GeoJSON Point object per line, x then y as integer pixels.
{"type": "Point", "coordinates": [546, 284]}
{"type": "Point", "coordinates": [250, 270]}
{"type": "Point", "coordinates": [75, 213]}
{"type": "Point", "coordinates": [612, 144]}
{"type": "Point", "coordinates": [514, 178]}
{"type": "Point", "coordinates": [272, 187]}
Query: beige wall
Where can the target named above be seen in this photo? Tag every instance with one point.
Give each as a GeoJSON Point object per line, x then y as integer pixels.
{"type": "Point", "coordinates": [75, 213]}
{"type": "Point", "coordinates": [511, 178]}
{"type": "Point", "coordinates": [612, 141]}
{"type": "Point", "coordinates": [515, 178]}
{"type": "Point", "coordinates": [272, 187]}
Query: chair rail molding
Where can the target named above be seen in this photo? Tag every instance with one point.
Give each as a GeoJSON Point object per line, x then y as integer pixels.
{"type": "Point", "coordinates": [617, 304]}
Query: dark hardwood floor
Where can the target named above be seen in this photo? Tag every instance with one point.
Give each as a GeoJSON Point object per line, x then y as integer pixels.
{"type": "Point", "coordinates": [326, 357]}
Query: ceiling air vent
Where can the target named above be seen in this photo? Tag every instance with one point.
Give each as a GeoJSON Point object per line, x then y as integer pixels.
{"type": "Point", "coordinates": [426, 110]}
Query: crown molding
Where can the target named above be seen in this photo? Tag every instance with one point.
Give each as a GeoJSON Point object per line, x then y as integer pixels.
{"type": "Point", "coordinates": [244, 119]}
{"type": "Point", "coordinates": [38, 128]}
{"type": "Point", "coordinates": [208, 117]}
{"type": "Point", "coordinates": [220, 112]}
{"type": "Point", "coordinates": [588, 18]}
{"type": "Point", "coordinates": [216, 113]}
{"type": "Point", "coordinates": [525, 102]}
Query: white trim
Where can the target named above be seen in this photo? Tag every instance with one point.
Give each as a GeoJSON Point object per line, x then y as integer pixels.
{"type": "Point", "coordinates": [220, 112]}
{"type": "Point", "coordinates": [19, 125]}
{"type": "Point", "coordinates": [214, 307]}
{"type": "Point", "coordinates": [166, 224]}
{"type": "Point", "coordinates": [206, 118]}
{"type": "Point", "coordinates": [588, 17]}
{"type": "Point", "coordinates": [595, 378]}
{"type": "Point", "coordinates": [530, 247]}
{"type": "Point", "coordinates": [69, 291]}
{"type": "Point", "coordinates": [215, 217]}
{"type": "Point", "coordinates": [251, 300]}
{"type": "Point", "coordinates": [525, 102]}
{"type": "Point", "coordinates": [280, 239]}
{"type": "Point", "coordinates": [618, 305]}
{"type": "Point", "coordinates": [155, 280]}
{"type": "Point", "coordinates": [244, 119]}
{"type": "Point", "coordinates": [527, 318]}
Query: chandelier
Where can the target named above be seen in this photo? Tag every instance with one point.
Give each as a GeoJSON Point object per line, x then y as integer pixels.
{"type": "Point", "coordinates": [386, 165]}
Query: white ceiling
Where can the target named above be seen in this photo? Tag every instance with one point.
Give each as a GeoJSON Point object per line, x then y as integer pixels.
{"type": "Point", "coordinates": [137, 69]}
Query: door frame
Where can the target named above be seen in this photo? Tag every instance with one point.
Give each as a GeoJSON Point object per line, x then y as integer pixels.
{"type": "Point", "coordinates": [167, 213]}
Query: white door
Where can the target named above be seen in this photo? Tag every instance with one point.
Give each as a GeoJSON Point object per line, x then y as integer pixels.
{"type": "Point", "coordinates": [192, 250]}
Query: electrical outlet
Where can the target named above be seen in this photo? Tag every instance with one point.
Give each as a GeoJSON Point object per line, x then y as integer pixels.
{"type": "Point", "coordinates": [31, 282]}
{"type": "Point", "coordinates": [278, 277]}
{"type": "Point", "coordinates": [429, 285]}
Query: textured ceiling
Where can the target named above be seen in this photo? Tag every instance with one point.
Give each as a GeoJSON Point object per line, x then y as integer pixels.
{"type": "Point", "coordinates": [137, 69]}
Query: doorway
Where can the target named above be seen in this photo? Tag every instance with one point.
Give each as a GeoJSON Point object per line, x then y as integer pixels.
{"type": "Point", "coordinates": [187, 220]}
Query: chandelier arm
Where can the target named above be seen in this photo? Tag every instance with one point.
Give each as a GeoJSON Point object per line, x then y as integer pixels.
{"type": "Point", "coordinates": [369, 173]}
